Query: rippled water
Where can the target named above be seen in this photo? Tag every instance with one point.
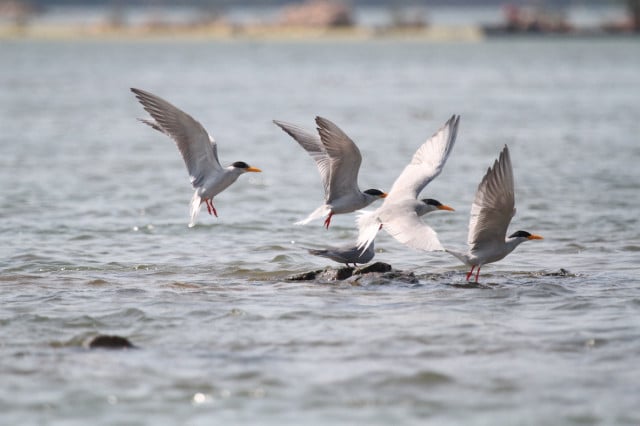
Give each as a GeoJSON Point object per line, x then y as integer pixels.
{"type": "Point", "coordinates": [94, 210]}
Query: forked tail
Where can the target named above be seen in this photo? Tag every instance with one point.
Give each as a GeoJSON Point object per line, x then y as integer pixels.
{"type": "Point", "coordinates": [462, 257]}
{"type": "Point", "coordinates": [195, 208]}
{"type": "Point", "coordinates": [318, 213]}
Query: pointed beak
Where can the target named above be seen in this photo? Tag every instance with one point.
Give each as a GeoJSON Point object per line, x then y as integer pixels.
{"type": "Point", "coordinates": [535, 237]}
{"type": "Point", "coordinates": [253, 169]}
{"type": "Point", "coordinates": [384, 195]}
{"type": "Point", "coordinates": [445, 207]}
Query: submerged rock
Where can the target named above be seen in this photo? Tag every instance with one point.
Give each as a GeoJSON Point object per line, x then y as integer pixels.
{"type": "Point", "coordinates": [103, 341]}
{"type": "Point", "coordinates": [560, 273]}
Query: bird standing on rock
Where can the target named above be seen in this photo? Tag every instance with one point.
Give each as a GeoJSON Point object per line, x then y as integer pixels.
{"type": "Point", "coordinates": [491, 213]}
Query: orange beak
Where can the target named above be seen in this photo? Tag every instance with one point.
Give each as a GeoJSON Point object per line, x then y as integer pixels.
{"type": "Point", "coordinates": [445, 207]}
{"type": "Point", "coordinates": [535, 237]}
{"type": "Point", "coordinates": [253, 169]}
{"type": "Point", "coordinates": [384, 195]}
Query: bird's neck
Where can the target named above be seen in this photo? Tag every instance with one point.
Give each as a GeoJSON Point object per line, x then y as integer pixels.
{"type": "Point", "coordinates": [511, 243]}
{"type": "Point", "coordinates": [422, 209]}
{"type": "Point", "coordinates": [234, 170]}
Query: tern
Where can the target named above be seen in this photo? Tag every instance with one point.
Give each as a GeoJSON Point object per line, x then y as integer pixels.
{"type": "Point", "coordinates": [199, 151]}
{"type": "Point", "coordinates": [491, 213]}
{"type": "Point", "coordinates": [346, 254]}
{"type": "Point", "coordinates": [338, 160]}
{"type": "Point", "coordinates": [400, 212]}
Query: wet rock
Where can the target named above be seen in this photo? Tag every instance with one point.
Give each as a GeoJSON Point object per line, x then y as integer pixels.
{"type": "Point", "coordinates": [327, 274]}
{"type": "Point", "coordinates": [103, 341]}
{"type": "Point", "coordinates": [560, 273]}
{"type": "Point", "coordinates": [306, 276]}
{"type": "Point", "coordinates": [380, 278]}
{"type": "Point", "coordinates": [379, 270]}
{"type": "Point", "coordinates": [374, 267]}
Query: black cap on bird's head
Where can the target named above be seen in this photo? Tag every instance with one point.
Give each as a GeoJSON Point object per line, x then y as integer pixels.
{"type": "Point", "coordinates": [526, 235]}
{"type": "Point", "coordinates": [436, 204]}
{"type": "Point", "coordinates": [245, 167]}
{"type": "Point", "coordinates": [376, 193]}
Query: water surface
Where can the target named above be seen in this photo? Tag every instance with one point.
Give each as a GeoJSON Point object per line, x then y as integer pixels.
{"type": "Point", "coordinates": [94, 210]}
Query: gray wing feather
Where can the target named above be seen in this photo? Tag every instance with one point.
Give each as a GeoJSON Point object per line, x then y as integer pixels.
{"type": "Point", "coordinates": [198, 148]}
{"type": "Point", "coordinates": [345, 159]}
{"type": "Point", "coordinates": [346, 254]}
{"type": "Point", "coordinates": [313, 145]}
{"type": "Point", "coordinates": [493, 206]}
{"type": "Point", "coordinates": [153, 125]}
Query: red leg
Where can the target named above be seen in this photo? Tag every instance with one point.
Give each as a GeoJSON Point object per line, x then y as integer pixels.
{"type": "Point", "coordinates": [470, 272]}
{"type": "Point", "coordinates": [327, 221]}
{"type": "Point", "coordinates": [477, 274]}
{"type": "Point", "coordinates": [210, 208]}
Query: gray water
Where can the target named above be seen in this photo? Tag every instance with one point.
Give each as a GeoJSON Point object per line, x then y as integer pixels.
{"type": "Point", "coordinates": [94, 237]}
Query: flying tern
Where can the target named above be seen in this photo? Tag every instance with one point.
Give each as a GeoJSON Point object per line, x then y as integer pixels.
{"type": "Point", "coordinates": [400, 212]}
{"type": "Point", "coordinates": [338, 160]}
{"type": "Point", "coordinates": [199, 151]}
{"type": "Point", "coordinates": [491, 213]}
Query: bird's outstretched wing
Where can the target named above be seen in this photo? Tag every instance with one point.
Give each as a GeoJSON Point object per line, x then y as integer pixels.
{"type": "Point", "coordinates": [313, 145]}
{"type": "Point", "coordinates": [199, 150]}
{"type": "Point", "coordinates": [345, 159]}
{"type": "Point", "coordinates": [426, 164]}
{"type": "Point", "coordinates": [404, 224]}
{"type": "Point", "coordinates": [493, 206]}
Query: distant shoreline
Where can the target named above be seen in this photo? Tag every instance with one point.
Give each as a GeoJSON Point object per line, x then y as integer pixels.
{"type": "Point", "coordinates": [236, 32]}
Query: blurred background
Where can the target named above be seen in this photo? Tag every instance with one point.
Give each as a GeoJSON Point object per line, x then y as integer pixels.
{"type": "Point", "coordinates": [364, 18]}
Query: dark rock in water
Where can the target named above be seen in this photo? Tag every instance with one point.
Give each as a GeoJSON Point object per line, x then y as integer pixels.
{"type": "Point", "coordinates": [306, 276]}
{"type": "Point", "coordinates": [327, 274]}
{"type": "Point", "coordinates": [378, 269]}
{"type": "Point", "coordinates": [561, 273]}
{"type": "Point", "coordinates": [103, 341]}
{"type": "Point", "coordinates": [374, 267]}
{"type": "Point", "coordinates": [343, 273]}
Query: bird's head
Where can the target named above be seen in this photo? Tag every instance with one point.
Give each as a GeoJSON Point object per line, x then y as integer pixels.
{"type": "Point", "coordinates": [523, 236]}
{"type": "Point", "coordinates": [376, 193]}
{"type": "Point", "coordinates": [243, 167]}
{"type": "Point", "coordinates": [433, 205]}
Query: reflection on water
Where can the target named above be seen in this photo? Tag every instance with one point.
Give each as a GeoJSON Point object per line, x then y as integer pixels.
{"type": "Point", "coordinates": [94, 214]}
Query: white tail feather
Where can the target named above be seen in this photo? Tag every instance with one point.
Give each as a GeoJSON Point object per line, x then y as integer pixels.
{"type": "Point", "coordinates": [321, 211]}
{"type": "Point", "coordinates": [195, 208]}
{"type": "Point", "coordinates": [368, 227]}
